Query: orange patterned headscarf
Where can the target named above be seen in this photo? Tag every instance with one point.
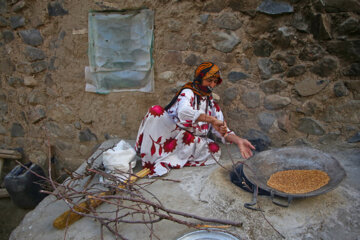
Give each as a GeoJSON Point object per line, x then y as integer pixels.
{"type": "Point", "coordinates": [203, 71]}
{"type": "Point", "coordinates": [207, 70]}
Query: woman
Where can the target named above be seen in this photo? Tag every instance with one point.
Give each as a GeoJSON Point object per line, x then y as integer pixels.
{"type": "Point", "coordinates": [177, 135]}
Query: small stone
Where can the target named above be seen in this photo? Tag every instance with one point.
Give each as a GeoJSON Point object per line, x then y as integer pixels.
{"type": "Point", "coordinates": [265, 120]}
{"type": "Point", "coordinates": [17, 21]}
{"type": "Point", "coordinates": [214, 6]}
{"type": "Point", "coordinates": [3, 6]}
{"type": "Point", "coordinates": [257, 138]}
{"type": "Point", "coordinates": [39, 66]}
{"type": "Point", "coordinates": [355, 138]}
{"type": "Point", "coordinates": [30, 81]}
{"type": "Point", "coordinates": [273, 85]}
{"type": "Point", "coordinates": [346, 50]}
{"type": "Point", "coordinates": [320, 27]}
{"type": "Point", "coordinates": [7, 36]}
{"type": "Point", "coordinates": [273, 102]}
{"type": "Point", "coordinates": [19, 6]}
{"type": "Point", "coordinates": [268, 67]}
{"type": "Point", "coordinates": [230, 95]}
{"type": "Point", "coordinates": [236, 76]}
{"type": "Point", "coordinates": [15, 81]}
{"type": "Point", "coordinates": [192, 60]}
{"type": "Point", "coordinates": [37, 114]}
{"type": "Point", "coordinates": [87, 136]}
{"type": "Point", "coordinates": [262, 48]}
{"type": "Point", "coordinates": [56, 9]}
{"type": "Point", "coordinates": [33, 54]}
{"type": "Point", "coordinates": [36, 97]}
{"type": "Point", "coordinates": [24, 67]}
{"type": "Point", "coordinates": [311, 52]}
{"type": "Point", "coordinates": [300, 23]}
{"type": "Point", "coordinates": [225, 42]}
{"type": "Point", "coordinates": [51, 66]}
{"type": "Point", "coordinates": [6, 66]}
{"type": "Point", "coordinates": [77, 125]}
{"type": "Point", "coordinates": [349, 26]}
{"type": "Point", "coordinates": [3, 103]}
{"type": "Point", "coordinates": [2, 130]}
{"type": "Point", "coordinates": [343, 112]}
{"type": "Point", "coordinates": [325, 67]}
{"type": "Point", "coordinates": [354, 87]}
{"type": "Point", "coordinates": [204, 18]}
{"type": "Point", "coordinates": [61, 112]}
{"type": "Point", "coordinates": [296, 71]}
{"type": "Point", "coordinates": [31, 37]}
{"type": "Point", "coordinates": [83, 150]}
{"type": "Point", "coordinates": [289, 59]}
{"type": "Point", "coordinates": [329, 138]}
{"type": "Point", "coordinates": [353, 70]}
{"type": "Point", "coordinates": [274, 8]}
{"type": "Point", "coordinates": [167, 76]}
{"type": "Point", "coordinates": [310, 126]}
{"type": "Point", "coordinates": [308, 87]}
{"type": "Point", "coordinates": [251, 99]}
{"type": "Point", "coordinates": [246, 64]}
{"type": "Point", "coordinates": [17, 130]}
{"type": "Point", "coordinates": [340, 90]}
{"type": "Point", "coordinates": [338, 6]}
{"type": "Point", "coordinates": [3, 22]}
{"type": "Point", "coordinates": [228, 21]}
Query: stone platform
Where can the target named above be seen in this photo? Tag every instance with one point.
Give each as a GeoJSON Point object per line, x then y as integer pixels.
{"type": "Point", "coordinates": [207, 191]}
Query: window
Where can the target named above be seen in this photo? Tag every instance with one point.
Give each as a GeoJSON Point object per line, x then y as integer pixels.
{"type": "Point", "coordinates": [120, 51]}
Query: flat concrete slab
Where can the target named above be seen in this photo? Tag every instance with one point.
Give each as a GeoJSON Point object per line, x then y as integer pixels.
{"type": "Point", "coordinates": [208, 192]}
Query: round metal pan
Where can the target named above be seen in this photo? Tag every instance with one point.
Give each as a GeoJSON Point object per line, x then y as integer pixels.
{"type": "Point", "coordinates": [259, 168]}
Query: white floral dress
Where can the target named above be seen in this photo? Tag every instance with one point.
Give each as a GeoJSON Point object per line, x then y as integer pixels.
{"type": "Point", "coordinates": [173, 138]}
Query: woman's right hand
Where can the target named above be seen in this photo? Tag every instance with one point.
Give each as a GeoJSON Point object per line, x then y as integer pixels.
{"type": "Point", "coordinates": [220, 126]}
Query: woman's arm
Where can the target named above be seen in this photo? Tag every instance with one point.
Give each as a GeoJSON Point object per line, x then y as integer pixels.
{"type": "Point", "coordinates": [244, 145]}
{"type": "Point", "coordinates": [219, 126]}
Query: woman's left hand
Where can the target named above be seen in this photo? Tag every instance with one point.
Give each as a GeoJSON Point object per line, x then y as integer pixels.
{"type": "Point", "coordinates": [245, 148]}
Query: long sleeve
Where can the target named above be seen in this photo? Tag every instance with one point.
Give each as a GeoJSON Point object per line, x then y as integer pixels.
{"type": "Point", "coordinates": [216, 111]}
{"type": "Point", "coordinates": [185, 108]}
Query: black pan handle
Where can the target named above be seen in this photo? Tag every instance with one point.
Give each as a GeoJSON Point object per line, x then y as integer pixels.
{"type": "Point", "coordinates": [254, 201]}
{"type": "Point", "coordinates": [290, 198]}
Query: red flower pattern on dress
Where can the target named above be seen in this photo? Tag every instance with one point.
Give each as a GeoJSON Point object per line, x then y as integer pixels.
{"type": "Point", "coordinates": [217, 107]}
{"type": "Point", "coordinates": [205, 126]}
{"type": "Point", "coordinates": [192, 102]}
{"type": "Point", "coordinates": [169, 145]}
{"type": "Point", "coordinates": [156, 110]}
{"type": "Point", "coordinates": [213, 147]}
{"type": "Point", "coordinates": [188, 138]}
{"type": "Point", "coordinates": [150, 166]}
{"type": "Point", "coordinates": [187, 124]}
{"type": "Point", "coordinates": [139, 142]}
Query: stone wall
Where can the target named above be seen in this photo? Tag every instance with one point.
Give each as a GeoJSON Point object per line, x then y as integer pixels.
{"type": "Point", "coordinates": [290, 69]}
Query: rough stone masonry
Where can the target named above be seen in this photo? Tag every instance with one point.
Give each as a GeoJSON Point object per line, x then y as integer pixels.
{"type": "Point", "coordinates": [291, 71]}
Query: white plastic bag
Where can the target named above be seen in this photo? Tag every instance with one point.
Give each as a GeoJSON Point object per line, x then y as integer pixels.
{"type": "Point", "coordinates": [119, 161]}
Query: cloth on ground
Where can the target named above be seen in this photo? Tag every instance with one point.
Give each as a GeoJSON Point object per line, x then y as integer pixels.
{"type": "Point", "coordinates": [119, 161]}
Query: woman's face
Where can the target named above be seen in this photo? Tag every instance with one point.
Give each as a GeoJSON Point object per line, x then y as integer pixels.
{"type": "Point", "coordinates": [210, 82]}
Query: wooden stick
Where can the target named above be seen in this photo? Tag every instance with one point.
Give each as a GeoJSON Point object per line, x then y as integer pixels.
{"type": "Point", "coordinates": [69, 217]}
